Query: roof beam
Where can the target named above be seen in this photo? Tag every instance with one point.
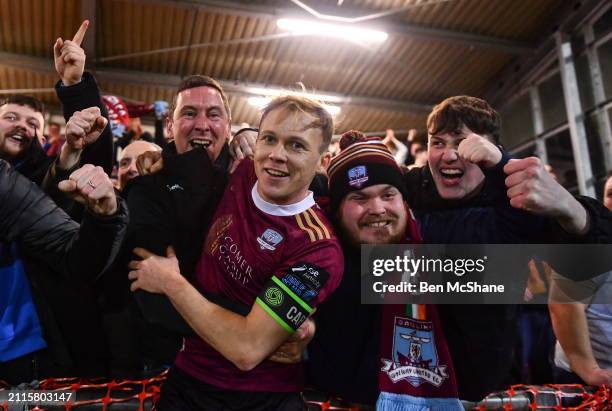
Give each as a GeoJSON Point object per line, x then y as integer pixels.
{"type": "Point", "coordinates": [390, 25]}
{"type": "Point", "coordinates": [25, 62]}
{"type": "Point", "coordinates": [242, 88]}
{"type": "Point", "coordinates": [231, 87]}
{"type": "Point", "coordinates": [525, 71]}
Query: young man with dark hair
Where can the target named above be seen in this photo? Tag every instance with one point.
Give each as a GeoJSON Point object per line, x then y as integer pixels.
{"type": "Point", "coordinates": [474, 113]}
{"type": "Point", "coordinates": [466, 202]}
{"type": "Point", "coordinates": [472, 192]}
{"type": "Point", "coordinates": [256, 282]}
{"type": "Point", "coordinates": [21, 124]}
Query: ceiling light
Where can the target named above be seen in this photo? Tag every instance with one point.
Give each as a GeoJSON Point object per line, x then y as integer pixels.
{"type": "Point", "coordinates": [261, 102]}
{"type": "Point", "coordinates": [275, 92]}
{"type": "Point", "coordinates": [343, 31]}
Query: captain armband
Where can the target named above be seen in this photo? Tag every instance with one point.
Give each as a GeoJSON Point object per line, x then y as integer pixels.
{"type": "Point", "coordinates": [287, 299]}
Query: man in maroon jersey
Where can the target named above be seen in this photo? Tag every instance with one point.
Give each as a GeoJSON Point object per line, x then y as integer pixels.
{"type": "Point", "coordinates": [269, 258]}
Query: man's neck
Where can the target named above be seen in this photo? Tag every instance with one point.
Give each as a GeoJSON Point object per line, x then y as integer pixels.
{"type": "Point", "coordinates": [281, 209]}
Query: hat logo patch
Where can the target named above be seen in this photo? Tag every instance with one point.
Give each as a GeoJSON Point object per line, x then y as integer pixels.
{"type": "Point", "coordinates": [357, 176]}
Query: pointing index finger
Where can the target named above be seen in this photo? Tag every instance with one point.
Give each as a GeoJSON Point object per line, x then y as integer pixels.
{"type": "Point", "coordinates": [80, 34]}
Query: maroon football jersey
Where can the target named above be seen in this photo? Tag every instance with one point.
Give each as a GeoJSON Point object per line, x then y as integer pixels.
{"type": "Point", "coordinates": [249, 242]}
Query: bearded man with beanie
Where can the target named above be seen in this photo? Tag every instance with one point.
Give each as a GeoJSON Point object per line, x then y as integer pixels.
{"type": "Point", "coordinates": [367, 200]}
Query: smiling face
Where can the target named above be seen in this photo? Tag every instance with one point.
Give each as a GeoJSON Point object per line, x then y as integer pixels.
{"type": "Point", "coordinates": [455, 178]}
{"type": "Point", "coordinates": [200, 120]}
{"type": "Point", "coordinates": [127, 163]}
{"type": "Point", "coordinates": [287, 155]}
{"type": "Point", "coordinates": [18, 127]}
{"type": "Point", "coordinates": [374, 215]}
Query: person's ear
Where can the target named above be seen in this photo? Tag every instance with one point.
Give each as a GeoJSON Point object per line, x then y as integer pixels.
{"type": "Point", "coordinates": [325, 159]}
{"type": "Point", "coordinates": [169, 126]}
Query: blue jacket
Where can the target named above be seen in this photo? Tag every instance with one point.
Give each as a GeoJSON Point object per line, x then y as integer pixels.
{"type": "Point", "coordinates": [46, 237]}
{"type": "Point", "coordinates": [20, 330]}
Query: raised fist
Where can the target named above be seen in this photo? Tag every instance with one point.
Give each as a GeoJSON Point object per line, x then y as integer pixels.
{"type": "Point", "coordinates": [91, 186]}
{"type": "Point", "coordinates": [84, 127]}
{"type": "Point", "coordinates": [478, 150]}
{"type": "Point", "coordinates": [532, 188]}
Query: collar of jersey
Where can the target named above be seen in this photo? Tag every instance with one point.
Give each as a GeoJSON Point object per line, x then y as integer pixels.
{"type": "Point", "coordinates": [282, 210]}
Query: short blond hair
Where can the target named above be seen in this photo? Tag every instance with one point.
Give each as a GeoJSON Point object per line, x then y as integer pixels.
{"type": "Point", "coordinates": [322, 118]}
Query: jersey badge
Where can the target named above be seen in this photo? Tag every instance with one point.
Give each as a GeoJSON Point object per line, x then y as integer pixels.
{"type": "Point", "coordinates": [269, 239]}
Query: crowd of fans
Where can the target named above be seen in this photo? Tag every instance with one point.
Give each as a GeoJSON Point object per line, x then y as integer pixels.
{"type": "Point", "coordinates": [233, 241]}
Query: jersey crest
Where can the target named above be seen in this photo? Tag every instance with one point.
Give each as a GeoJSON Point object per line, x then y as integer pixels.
{"type": "Point", "coordinates": [269, 239]}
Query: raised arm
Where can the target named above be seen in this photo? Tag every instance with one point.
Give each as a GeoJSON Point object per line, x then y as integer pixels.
{"type": "Point", "coordinates": [533, 189]}
{"type": "Point", "coordinates": [77, 90]}
{"type": "Point", "coordinates": [47, 233]}
{"type": "Point", "coordinates": [244, 340]}
{"type": "Point", "coordinates": [571, 329]}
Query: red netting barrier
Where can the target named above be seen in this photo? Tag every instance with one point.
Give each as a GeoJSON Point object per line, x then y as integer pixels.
{"type": "Point", "coordinates": [316, 401]}
{"type": "Point", "coordinates": [518, 397]}
{"type": "Point", "coordinates": [98, 394]}
{"type": "Point", "coordinates": [124, 395]}
{"type": "Point", "coordinates": [550, 397]}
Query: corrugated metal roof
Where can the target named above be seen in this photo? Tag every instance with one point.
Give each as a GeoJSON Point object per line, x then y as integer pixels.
{"type": "Point", "coordinates": [12, 78]}
{"type": "Point", "coordinates": [403, 69]}
{"type": "Point", "coordinates": [31, 26]}
{"type": "Point", "coordinates": [512, 19]}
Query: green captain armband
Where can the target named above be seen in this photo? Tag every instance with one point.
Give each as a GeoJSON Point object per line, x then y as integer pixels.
{"type": "Point", "coordinates": [285, 306]}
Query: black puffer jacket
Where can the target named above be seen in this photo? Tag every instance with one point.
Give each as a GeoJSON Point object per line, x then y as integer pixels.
{"type": "Point", "coordinates": [172, 207]}
{"type": "Point", "coordinates": [52, 246]}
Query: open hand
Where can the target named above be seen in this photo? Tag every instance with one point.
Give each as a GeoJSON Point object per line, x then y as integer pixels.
{"type": "Point", "coordinates": [153, 272]}
{"type": "Point", "coordinates": [292, 350]}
